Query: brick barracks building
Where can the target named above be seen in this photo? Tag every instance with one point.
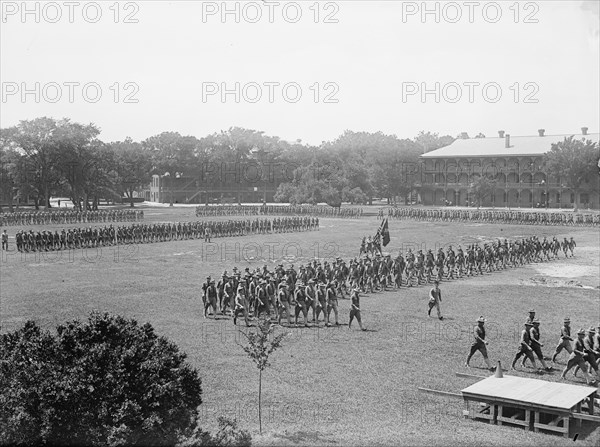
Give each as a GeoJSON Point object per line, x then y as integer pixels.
{"type": "Point", "coordinates": [516, 165]}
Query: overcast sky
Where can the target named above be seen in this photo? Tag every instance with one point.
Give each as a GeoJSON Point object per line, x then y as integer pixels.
{"type": "Point", "coordinates": [362, 67]}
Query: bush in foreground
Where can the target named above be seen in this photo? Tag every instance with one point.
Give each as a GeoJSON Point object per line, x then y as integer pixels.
{"type": "Point", "coordinates": [107, 381]}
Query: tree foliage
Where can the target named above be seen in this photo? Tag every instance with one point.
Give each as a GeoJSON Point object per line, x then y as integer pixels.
{"type": "Point", "coordinates": [107, 381]}
{"type": "Point", "coordinates": [259, 346]}
{"type": "Point", "coordinates": [574, 162]}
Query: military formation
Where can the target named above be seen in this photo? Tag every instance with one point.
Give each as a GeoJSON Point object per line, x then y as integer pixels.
{"type": "Point", "coordinates": [59, 217]}
{"type": "Point", "coordinates": [416, 268]}
{"type": "Point", "coordinates": [495, 216]}
{"type": "Point", "coordinates": [107, 235]}
{"type": "Point", "coordinates": [286, 210]}
{"type": "Point", "coordinates": [284, 292]}
{"type": "Point", "coordinates": [583, 348]}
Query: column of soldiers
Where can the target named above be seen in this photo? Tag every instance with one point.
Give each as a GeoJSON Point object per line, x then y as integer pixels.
{"type": "Point", "coordinates": [69, 217]}
{"type": "Point", "coordinates": [416, 268]}
{"type": "Point", "coordinates": [583, 350]}
{"type": "Point", "coordinates": [90, 237]}
{"type": "Point", "coordinates": [495, 216]}
{"type": "Point", "coordinates": [290, 293]}
{"type": "Point", "coordinates": [286, 210]}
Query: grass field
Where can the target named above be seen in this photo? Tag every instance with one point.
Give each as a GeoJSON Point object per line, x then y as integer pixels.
{"type": "Point", "coordinates": [327, 386]}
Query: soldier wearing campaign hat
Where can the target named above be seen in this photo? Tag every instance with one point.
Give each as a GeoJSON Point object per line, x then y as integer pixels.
{"type": "Point", "coordinates": [479, 344]}
{"type": "Point", "coordinates": [355, 309]}
{"type": "Point", "coordinates": [565, 339]}
{"type": "Point", "coordinates": [591, 352]}
{"type": "Point", "coordinates": [321, 302]}
{"type": "Point", "coordinates": [241, 305]}
{"type": "Point", "coordinates": [332, 303]}
{"type": "Point", "coordinates": [211, 299]}
{"type": "Point", "coordinates": [283, 303]}
{"type": "Point", "coordinates": [576, 358]}
{"type": "Point", "coordinates": [310, 294]}
{"type": "Point", "coordinates": [536, 346]}
{"type": "Point", "coordinates": [300, 300]}
{"type": "Point", "coordinates": [525, 346]}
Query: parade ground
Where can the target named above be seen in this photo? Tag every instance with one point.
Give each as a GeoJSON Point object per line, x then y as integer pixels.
{"type": "Point", "coordinates": [327, 386]}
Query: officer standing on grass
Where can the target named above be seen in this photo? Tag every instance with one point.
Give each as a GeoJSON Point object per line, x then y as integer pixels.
{"type": "Point", "coordinates": [479, 344]}
{"type": "Point", "coordinates": [435, 298]}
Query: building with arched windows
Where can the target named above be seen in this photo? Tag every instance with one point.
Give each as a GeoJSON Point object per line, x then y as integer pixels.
{"type": "Point", "coordinates": [515, 163]}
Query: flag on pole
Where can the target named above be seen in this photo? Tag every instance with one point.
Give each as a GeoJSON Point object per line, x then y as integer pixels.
{"type": "Point", "coordinates": [383, 232]}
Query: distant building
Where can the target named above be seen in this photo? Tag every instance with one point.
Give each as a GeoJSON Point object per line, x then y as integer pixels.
{"type": "Point", "coordinates": [516, 165]}
{"type": "Point", "coordinates": [183, 189]}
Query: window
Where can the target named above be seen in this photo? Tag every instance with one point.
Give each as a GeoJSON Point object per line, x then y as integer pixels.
{"type": "Point", "coordinates": [584, 198]}
{"type": "Point", "coordinates": [572, 198]}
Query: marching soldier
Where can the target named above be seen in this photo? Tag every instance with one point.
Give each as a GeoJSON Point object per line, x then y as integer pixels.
{"type": "Point", "coordinates": [435, 298]}
{"type": "Point", "coordinates": [211, 299]}
{"type": "Point", "coordinates": [322, 303]}
{"type": "Point", "coordinates": [536, 346]}
{"type": "Point", "coordinates": [4, 240]}
{"type": "Point", "coordinates": [576, 358]}
{"type": "Point", "coordinates": [241, 305]}
{"type": "Point", "coordinates": [525, 347]}
{"type": "Point", "coordinates": [565, 339]}
{"type": "Point", "coordinates": [283, 302]}
{"type": "Point", "coordinates": [300, 300]}
{"type": "Point", "coordinates": [355, 309]}
{"type": "Point", "coordinates": [332, 303]}
{"type": "Point", "coordinates": [479, 344]}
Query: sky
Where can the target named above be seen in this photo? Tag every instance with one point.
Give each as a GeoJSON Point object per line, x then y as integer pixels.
{"type": "Point", "coordinates": [303, 70]}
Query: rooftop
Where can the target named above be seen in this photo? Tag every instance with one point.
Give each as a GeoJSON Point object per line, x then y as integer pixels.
{"type": "Point", "coordinates": [493, 147]}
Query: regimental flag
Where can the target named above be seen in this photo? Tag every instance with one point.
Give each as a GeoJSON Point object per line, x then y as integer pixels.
{"type": "Point", "coordinates": [384, 233]}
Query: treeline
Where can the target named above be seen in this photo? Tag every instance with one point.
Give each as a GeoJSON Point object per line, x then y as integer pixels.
{"type": "Point", "coordinates": [45, 157]}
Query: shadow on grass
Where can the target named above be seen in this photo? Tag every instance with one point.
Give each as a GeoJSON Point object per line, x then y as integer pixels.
{"type": "Point", "coordinates": [304, 437]}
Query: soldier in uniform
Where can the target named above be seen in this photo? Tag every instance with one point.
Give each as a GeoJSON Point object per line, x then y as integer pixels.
{"type": "Point", "coordinates": [576, 358]}
{"type": "Point", "coordinates": [4, 240]}
{"type": "Point", "coordinates": [525, 346]}
{"type": "Point", "coordinates": [355, 309]}
{"type": "Point", "coordinates": [241, 305]}
{"type": "Point", "coordinates": [300, 300]}
{"type": "Point", "coordinates": [591, 352]}
{"type": "Point", "coordinates": [283, 303]}
{"type": "Point", "coordinates": [565, 339]}
{"type": "Point", "coordinates": [211, 298]}
{"type": "Point", "coordinates": [534, 333]}
{"type": "Point", "coordinates": [435, 298]}
{"type": "Point", "coordinates": [332, 303]}
{"type": "Point", "coordinates": [322, 303]}
{"type": "Point", "coordinates": [479, 344]}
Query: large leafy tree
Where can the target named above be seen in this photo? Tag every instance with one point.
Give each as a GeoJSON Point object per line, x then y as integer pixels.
{"type": "Point", "coordinates": [481, 188]}
{"type": "Point", "coordinates": [575, 162]}
{"type": "Point", "coordinates": [106, 381]}
{"type": "Point", "coordinates": [133, 165]}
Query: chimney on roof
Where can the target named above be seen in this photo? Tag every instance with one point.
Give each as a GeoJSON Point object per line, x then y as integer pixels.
{"type": "Point", "coordinates": [507, 141]}
{"type": "Point", "coordinates": [584, 130]}
{"type": "Point", "coordinates": [541, 132]}
{"type": "Point", "coordinates": [501, 133]}
{"type": "Point", "coordinates": [464, 135]}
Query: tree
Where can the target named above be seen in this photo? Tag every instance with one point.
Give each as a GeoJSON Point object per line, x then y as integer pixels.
{"type": "Point", "coordinates": [260, 346]}
{"type": "Point", "coordinates": [133, 166]}
{"type": "Point", "coordinates": [481, 188]}
{"type": "Point", "coordinates": [108, 381]}
{"type": "Point", "coordinates": [432, 141]}
{"type": "Point", "coordinates": [574, 163]}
